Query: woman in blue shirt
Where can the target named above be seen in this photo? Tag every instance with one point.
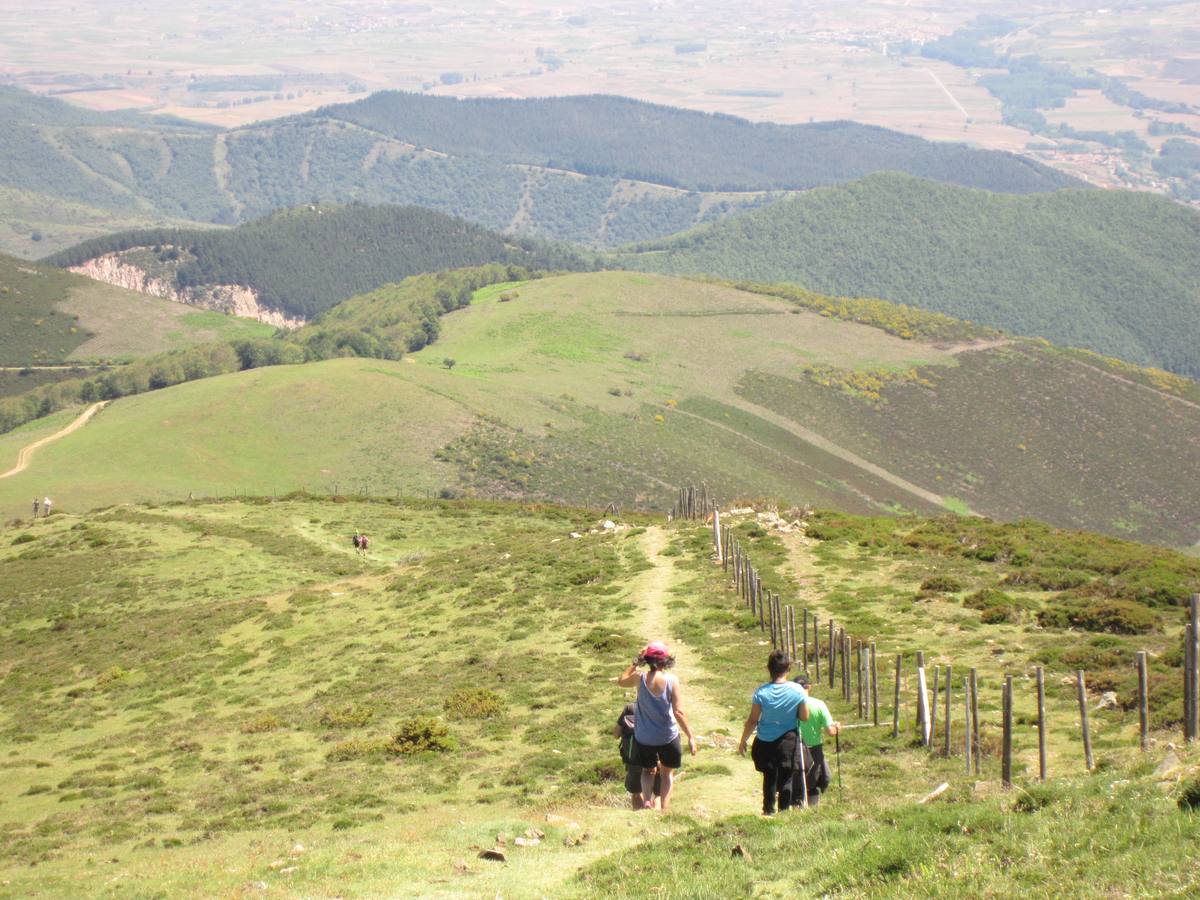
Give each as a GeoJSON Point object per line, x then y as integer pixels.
{"type": "Point", "coordinates": [774, 710]}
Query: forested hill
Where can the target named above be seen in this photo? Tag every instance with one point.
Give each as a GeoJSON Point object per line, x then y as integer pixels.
{"type": "Point", "coordinates": [305, 260]}
{"type": "Point", "coordinates": [1112, 271]}
{"type": "Point", "coordinates": [561, 169]}
{"type": "Point", "coordinates": [620, 137]}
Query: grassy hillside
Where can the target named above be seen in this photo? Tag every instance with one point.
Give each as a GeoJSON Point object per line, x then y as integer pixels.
{"type": "Point", "coordinates": [51, 316]}
{"type": "Point", "coordinates": [213, 697]}
{"type": "Point", "coordinates": [615, 386]}
{"type": "Point", "coordinates": [304, 261]}
{"type": "Point", "coordinates": [33, 225]}
{"type": "Point", "coordinates": [598, 171]}
{"type": "Point", "coordinates": [616, 136]}
{"type": "Point", "coordinates": [1114, 272]}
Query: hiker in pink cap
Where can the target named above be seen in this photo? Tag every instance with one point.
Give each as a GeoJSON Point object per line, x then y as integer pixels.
{"type": "Point", "coordinates": [660, 718]}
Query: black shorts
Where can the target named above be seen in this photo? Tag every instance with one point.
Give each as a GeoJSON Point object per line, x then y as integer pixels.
{"type": "Point", "coordinates": [669, 755]}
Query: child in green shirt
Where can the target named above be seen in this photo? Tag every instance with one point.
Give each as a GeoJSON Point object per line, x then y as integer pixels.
{"type": "Point", "coordinates": [819, 721]}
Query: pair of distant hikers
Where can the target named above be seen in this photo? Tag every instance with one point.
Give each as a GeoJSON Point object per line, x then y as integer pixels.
{"type": "Point", "coordinates": [788, 723]}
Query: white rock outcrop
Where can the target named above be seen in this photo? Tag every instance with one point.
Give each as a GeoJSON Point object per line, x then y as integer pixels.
{"type": "Point", "coordinates": [233, 299]}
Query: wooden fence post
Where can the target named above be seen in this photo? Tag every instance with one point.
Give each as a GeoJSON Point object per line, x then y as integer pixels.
{"type": "Point", "coordinates": [1083, 718]}
{"type": "Point", "coordinates": [817, 648]}
{"type": "Point", "coordinates": [1187, 682]}
{"type": "Point", "coordinates": [832, 654]}
{"type": "Point", "coordinates": [949, 684]}
{"type": "Point", "coordinates": [967, 723]}
{"type": "Point", "coordinates": [858, 673]}
{"type": "Point", "coordinates": [1006, 757]}
{"type": "Point", "coordinates": [717, 537]}
{"type": "Point", "coordinates": [1041, 714]}
{"type": "Point", "coordinates": [922, 700]}
{"type": "Point", "coordinates": [1143, 702]}
{"type": "Point", "coordinates": [846, 686]}
{"type": "Point", "coordinates": [778, 604]}
{"type": "Point", "coordinates": [975, 721]}
{"type": "Point", "coordinates": [896, 707]}
{"type": "Point", "coordinates": [1194, 671]}
{"type": "Point", "coordinates": [791, 617]}
{"type": "Point", "coordinates": [920, 668]}
{"type": "Point", "coordinates": [874, 687]}
{"type": "Point", "coordinates": [804, 641]}
{"type": "Point", "coordinates": [933, 708]}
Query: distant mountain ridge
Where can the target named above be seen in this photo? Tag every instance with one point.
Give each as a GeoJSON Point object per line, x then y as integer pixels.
{"type": "Point", "coordinates": [613, 136]}
{"type": "Point", "coordinates": [1112, 271]}
{"type": "Point", "coordinates": [611, 170]}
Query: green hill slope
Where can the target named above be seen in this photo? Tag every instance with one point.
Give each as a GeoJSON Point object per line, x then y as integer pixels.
{"type": "Point", "coordinates": [616, 386]}
{"type": "Point", "coordinates": [593, 170]}
{"type": "Point", "coordinates": [306, 260]}
{"type": "Point", "coordinates": [206, 698]}
{"type": "Point", "coordinates": [50, 316]}
{"type": "Point", "coordinates": [1111, 271]}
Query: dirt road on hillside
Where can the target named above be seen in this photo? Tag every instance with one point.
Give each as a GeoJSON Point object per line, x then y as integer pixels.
{"type": "Point", "coordinates": [26, 452]}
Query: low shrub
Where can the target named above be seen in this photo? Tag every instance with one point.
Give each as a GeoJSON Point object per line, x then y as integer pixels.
{"type": "Point", "coordinates": [996, 606]}
{"type": "Point", "coordinates": [419, 735]}
{"type": "Point", "coordinates": [356, 748]}
{"type": "Point", "coordinates": [1114, 617]}
{"type": "Point", "coordinates": [352, 715]}
{"type": "Point", "coordinates": [1048, 579]}
{"type": "Point", "coordinates": [941, 584]}
{"type": "Point", "coordinates": [608, 642]}
{"type": "Point", "coordinates": [260, 724]}
{"type": "Point", "coordinates": [468, 703]}
{"type": "Point", "coordinates": [1189, 795]}
{"type": "Point", "coordinates": [1036, 797]}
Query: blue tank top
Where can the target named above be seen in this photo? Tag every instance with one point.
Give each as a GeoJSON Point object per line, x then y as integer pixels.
{"type": "Point", "coordinates": [655, 724]}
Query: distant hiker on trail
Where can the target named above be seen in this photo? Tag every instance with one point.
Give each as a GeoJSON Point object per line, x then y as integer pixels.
{"type": "Point", "coordinates": [37, 505]}
{"type": "Point", "coordinates": [658, 721]}
{"type": "Point", "coordinates": [623, 731]}
{"type": "Point", "coordinates": [46, 507]}
{"type": "Point", "coordinates": [778, 752]}
{"type": "Point", "coordinates": [360, 543]}
{"type": "Point", "coordinates": [816, 772]}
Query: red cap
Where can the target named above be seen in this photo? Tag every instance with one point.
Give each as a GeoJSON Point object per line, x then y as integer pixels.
{"type": "Point", "coordinates": [656, 650]}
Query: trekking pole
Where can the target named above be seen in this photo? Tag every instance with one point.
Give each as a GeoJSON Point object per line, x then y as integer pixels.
{"type": "Point", "coordinates": [837, 752]}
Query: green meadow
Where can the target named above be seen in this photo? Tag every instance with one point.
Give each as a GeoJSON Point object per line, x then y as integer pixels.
{"type": "Point", "coordinates": [53, 316]}
{"type": "Point", "coordinates": [616, 386]}
{"type": "Point", "coordinates": [224, 698]}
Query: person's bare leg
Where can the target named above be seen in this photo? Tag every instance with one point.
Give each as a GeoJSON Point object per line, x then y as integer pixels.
{"type": "Point", "coordinates": [667, 781]}
{"type": "Point", "coordinates": [648, 788]}
{"type": "Point", "coordinates": [636, 801]}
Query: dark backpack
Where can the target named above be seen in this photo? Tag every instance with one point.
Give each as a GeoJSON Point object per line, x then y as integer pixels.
{"type": "Point", "coordinates": [629, 750]}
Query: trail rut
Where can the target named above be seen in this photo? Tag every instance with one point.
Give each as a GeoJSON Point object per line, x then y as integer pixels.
{"type": "Point", "coordinates": [716, 727]}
